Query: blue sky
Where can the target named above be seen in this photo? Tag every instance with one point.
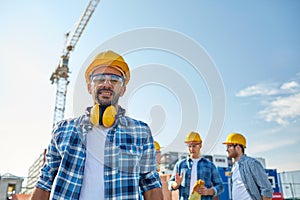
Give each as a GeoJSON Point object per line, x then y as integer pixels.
{"type": "Point", "coordinates": [250, 47]}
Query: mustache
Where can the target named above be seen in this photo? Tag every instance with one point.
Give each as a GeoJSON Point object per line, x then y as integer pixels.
{"type": "Point", "coordinates": [99, 91]}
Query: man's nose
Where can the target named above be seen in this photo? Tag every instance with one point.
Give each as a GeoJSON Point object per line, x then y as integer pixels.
{"type": "Point", "coordinates": [107, 83]}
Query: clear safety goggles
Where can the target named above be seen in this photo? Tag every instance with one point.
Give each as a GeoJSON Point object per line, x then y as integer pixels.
{"type": "Point", "coordinates": [193, 145]}
{"type": "Point", "coordinates": [112, 79]}
{"type": "Point", "coordinates": [228, 146]}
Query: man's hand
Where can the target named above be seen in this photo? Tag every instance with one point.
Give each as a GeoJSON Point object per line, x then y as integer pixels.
{"type": "Point", "coordinates": [206, 191]}
{"type": "Point", "coordinates": [177, 182]}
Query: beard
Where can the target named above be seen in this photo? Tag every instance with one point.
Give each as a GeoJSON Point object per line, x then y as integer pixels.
{"type": "Point", "coordinates": [233, 154]}
{"type": "Point", "coordinates": [105, 101]}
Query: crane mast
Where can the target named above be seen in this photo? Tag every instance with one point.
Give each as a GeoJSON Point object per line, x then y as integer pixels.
{"type": "Point", "coordinates": [61, 74]}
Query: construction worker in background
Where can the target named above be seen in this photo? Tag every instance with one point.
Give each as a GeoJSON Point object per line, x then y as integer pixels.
{"type": "Point", "coordinates": [102, 154]}
{"type": "Point", "coordinates": [158, 155]}
{"type": "Point", "coordinates": [193, 169]}
{"type": "Point", "coordinates": [158, 161]}
{"type": "Point", "coordinates": [249, 179]}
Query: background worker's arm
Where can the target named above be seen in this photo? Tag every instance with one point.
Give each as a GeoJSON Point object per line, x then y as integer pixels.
{"type": "Point", "coordinates": [155, 193]}
{"type": "Point", "coordinates": [266, 198]}
{"type": "Point", "coordinates": [39, 194]}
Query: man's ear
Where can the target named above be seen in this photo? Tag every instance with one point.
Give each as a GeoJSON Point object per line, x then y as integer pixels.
{"type": "Point", "coordinates": [200, 144]}
{"type": "Point", "coordinates": [123, 89]}
{"type": "Point", "coordinates": [89, 87]}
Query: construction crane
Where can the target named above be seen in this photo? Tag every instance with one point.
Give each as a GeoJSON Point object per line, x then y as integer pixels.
{"type": "Point", "coordinates": [61, 74]}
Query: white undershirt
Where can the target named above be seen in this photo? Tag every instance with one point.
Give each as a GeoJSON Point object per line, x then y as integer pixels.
{"type": "Point", "coordinates": [239, 191]}
{"type": "Point", "coordinates": [193, 174]}
{"type": "Point", "coordinates": [93, 179]}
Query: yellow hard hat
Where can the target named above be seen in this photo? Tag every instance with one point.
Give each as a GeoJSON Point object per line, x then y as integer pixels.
{"type": "Point", "coordinates": [236, 138]}
{"type": "Point", "coordinates": [157, 146]}
{"type": "Point", "coordinates": [193, 137]}
{"type": "Point", "coordinates": [108, 58]}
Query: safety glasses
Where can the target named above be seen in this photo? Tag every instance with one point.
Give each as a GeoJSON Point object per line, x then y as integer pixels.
{"type": "Point", "coordinates": [193, 145]}
{"type": "Point", "coordinates": [231, 145]}
{"type": "Point", "coordinates": [112, 79]}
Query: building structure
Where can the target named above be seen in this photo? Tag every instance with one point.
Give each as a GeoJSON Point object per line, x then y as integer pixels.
{"type": "Point", "coordinates": [34, 172]}
{"type": "Point", "coordinates": [10, 185]}
{"type": "Point", "coordinates": [289, 182]}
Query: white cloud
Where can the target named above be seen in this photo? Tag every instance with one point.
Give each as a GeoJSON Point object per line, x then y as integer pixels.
{"type": "Point", "coordinates": [283, 103]}
{"type": "Point", "coordinates": [258, 89]}
{"type": "Point", "coordinates": [290, 86]}
{"type": "Point", "coordinates": [282, 109]}
{"type": "Point", "coordinates": [269, 89]}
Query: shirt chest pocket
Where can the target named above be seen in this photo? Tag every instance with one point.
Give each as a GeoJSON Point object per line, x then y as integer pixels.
{"type": "Point", "coordinates": [129, 157]}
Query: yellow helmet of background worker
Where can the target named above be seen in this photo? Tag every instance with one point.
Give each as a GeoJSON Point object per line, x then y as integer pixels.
{"type": "Point", "coordinates": [193, 137]}
{"type": "Point", "coordinates": [157, 146]}
{"type": "Point", "coordinates": [236, 138]}
{"type": "Point", "coordinates": [108, 58]}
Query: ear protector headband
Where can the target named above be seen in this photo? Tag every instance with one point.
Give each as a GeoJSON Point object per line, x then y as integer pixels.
{"type": "Point", "coordinates": [103, 115]}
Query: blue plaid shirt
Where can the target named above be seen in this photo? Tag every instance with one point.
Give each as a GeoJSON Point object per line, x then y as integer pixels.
{"type": "Point", "coordinates": [254, 178]}
{"type": "Point", "coordinates": [129, 159]}
{"type": "Point", "coordinates": [206, 171]}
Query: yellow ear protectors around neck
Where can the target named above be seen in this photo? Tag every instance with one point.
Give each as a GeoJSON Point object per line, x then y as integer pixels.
{"type": "Point", "coordinates": [103, 115]}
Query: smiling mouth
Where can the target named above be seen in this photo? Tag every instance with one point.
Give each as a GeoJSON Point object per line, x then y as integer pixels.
{"type": "Point", "coordinates": [105, 93]}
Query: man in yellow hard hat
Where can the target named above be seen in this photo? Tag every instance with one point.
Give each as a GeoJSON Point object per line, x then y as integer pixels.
{"type": "Point", "coordinates": [102, 154]}
{"type": "Point", "coordinates": [249, 179]}
{"type": "Point", "coordinates": [158, 155]}
{"type": "Point", "coordinates": [158, 160]}
{"type": "Point", "coordinates": [193, 169]}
